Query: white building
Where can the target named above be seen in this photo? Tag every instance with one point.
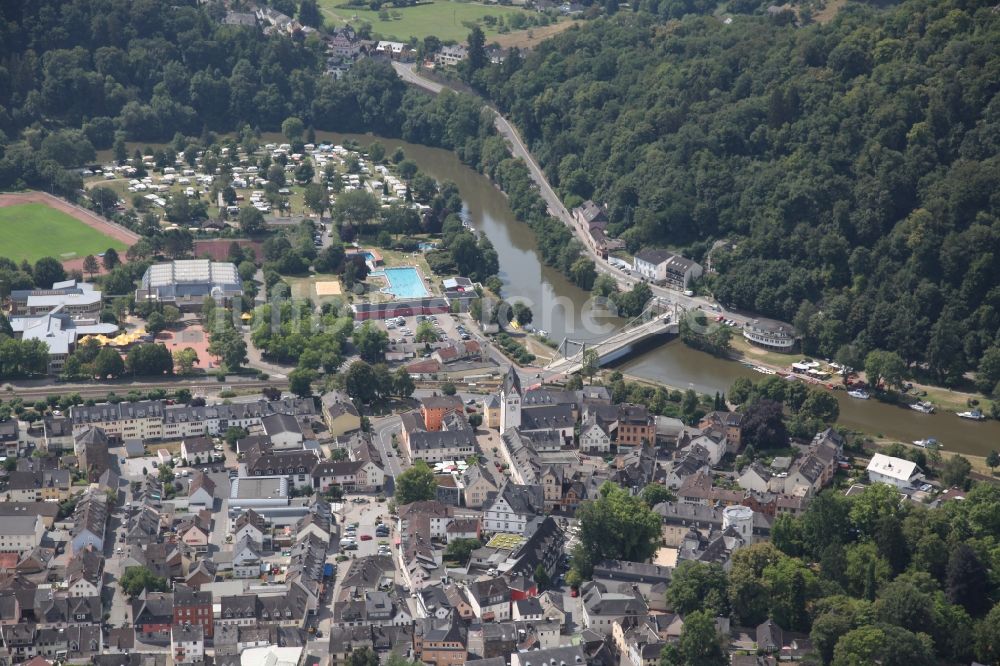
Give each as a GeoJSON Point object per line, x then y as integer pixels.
{"type": "Point", "coordinates": [894, 471]}
{"type": "Point", "coordinates": [663, 266]}
{"type": "Point", "coordinates": [19, 534]}
{"type": "Point", "coordinates": [187, 643]}
{"type": "Point", "coordinates": [185, 283]}
{"type": "Point", "coordinates": [770, 334]}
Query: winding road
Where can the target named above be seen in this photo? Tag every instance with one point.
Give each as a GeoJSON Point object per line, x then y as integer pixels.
{"type": "Point", "coordinates": [408, 73]}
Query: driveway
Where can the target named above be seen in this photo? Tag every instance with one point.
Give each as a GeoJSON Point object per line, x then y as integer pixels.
{"type": "Point", "coordinates": [382, 431]}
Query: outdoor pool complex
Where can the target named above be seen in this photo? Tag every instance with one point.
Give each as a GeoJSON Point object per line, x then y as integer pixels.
{"type": "Point", "coordinates": [404, 282]}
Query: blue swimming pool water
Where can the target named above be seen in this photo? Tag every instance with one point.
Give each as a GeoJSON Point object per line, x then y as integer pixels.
{"type": "Point", "coordinates": [404, 282]}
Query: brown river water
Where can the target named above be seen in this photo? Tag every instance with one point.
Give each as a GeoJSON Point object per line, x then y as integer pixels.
{"type": "Point", "coordinates": [563, 309]}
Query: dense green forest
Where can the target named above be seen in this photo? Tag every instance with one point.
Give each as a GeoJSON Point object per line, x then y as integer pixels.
{"type": "Point", "coordinates": [76, 77]}
{"type": "Point", "coordinates": [852, 167]}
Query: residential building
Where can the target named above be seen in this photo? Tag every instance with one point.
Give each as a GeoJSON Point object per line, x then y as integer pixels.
{"type": "Point", "coordinates": [201, 492]}
{"type": "Point", "coordinates": [152, 615]}
{"type": "Point", "coordinates": [442, 642]}
{"type": "Point", "coordinates": [454, 441]}
{"type": "Point", "coordinates": [635, 426]}
{"type": "Point", "coordinates": [449, 56]}
{"type": "Point", "coordinates": [90, 519]}
{"type": "Point", "coordinates": [491, 411]}
{"type": "Point", "coordinates": [666, 268]}
{"type": "Point", "coordinates": [435, 408]}
{"type": "Point", "coordinates": [193, 607]}
{"type": "Point", "coordinates": [512, 508]}
{"type": "Point", "coordinates": [339, 413]}
{"type": "Point", "coordinates": [728, 425]}
{"type": "Point", "coordinates": [187, 644]}
{"type": "Point", "coordinates": [478, 483]}
{"type": "Point", "coordinates": [197, 450]}
{"type": "Point", "coordinates": [283, 430]}
{"type": "Point", "coordinates": [490, 599]}
{"type": "Point", "coordinates": [187, 282]}
{"type": "Point", "coordinates": [594, 439]}
{"type": "Point", "coordinates": [20, 534]}
{"type": "Point", "coordinates": [351, 475]}
{"type": "Point", "coordinates": [602, 608]}
{"type": "Point", "coordinates": [894, 471]}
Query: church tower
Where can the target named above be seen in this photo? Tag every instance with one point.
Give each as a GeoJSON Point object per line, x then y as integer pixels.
{"type": "Point", "coordinates": [510, 401]}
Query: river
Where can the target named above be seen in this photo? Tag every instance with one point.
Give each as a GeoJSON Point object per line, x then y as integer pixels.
{"type": "Point", "coordinates": [561, 308]}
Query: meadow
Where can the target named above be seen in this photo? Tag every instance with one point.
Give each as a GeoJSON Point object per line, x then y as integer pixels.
{"type": "Point", "coordinates": [445, 20]}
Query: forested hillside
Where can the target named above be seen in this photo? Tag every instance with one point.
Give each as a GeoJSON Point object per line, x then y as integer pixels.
{"type": "Point", "coordinates": [852, 166]}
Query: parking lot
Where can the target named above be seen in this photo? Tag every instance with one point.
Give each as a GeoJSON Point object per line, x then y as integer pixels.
{"type": "Point", "coordinates": [403, 330]}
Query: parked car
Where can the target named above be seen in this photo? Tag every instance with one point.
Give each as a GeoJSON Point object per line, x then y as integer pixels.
{"type": "Point", "coordinates": [366, 537]}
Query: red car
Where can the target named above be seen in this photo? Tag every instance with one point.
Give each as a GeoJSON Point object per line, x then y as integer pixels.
{"type": "Point", "coordinates": [366, 537]}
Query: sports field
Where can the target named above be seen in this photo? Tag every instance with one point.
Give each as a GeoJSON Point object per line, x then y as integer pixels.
{"type": "Point", "coordinates": [441, 18]}
{"type": "Point", "coordinates": [34, 230]}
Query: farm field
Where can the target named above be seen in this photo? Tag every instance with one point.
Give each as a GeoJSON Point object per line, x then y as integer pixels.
{"type": "Point", "coordinates": [442, 19]}
{"type": "Point", "coordinates": [34, 230]}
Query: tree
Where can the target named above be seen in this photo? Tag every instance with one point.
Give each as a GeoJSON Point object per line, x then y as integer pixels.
{"type": "Point", "coordinates": [522, 313]}
{"type": "Point", "coordinates": [402, 383]}
{"type": "Point", "coordinates": [371, 342]}
{"type": "Point", "coordinates": [993, 460]}
{"type": "Point", "coordinates": [185, 360]}
{"type": "Point", "coordinates": [234, 434]}
{"type": "Point", "coordinates": [110, 259]}
{"type": "Point", "coordinates": [47, 271]}
{"type": "Point", "coordinates": [988, 637]}
{"type": "Point", "coordinates": [226, 343]}
{"type": "Point", "coordinates": [698, 586]}
{"type": "Point", "coordinates": [448, 388]}
{"type": "Point", "coordinates": [590, 364]}
{"type": "Point", "coordinates": [542, 578]}
{"type": "Point", "coordinates": [988, 372]}
{"type": "Point", "coordinates": [155, 322]}
{"type": "Point", "coordinates": [700, 644]}
{"type": "Point", "coordinates": [968, 582]}
{"type": "Point", "coordinates": [149, 359]}
{"type": "Point", "coordinates": [415, 484]}
{"type": "Point", "coordinates": [108, 363]}
{"type": "Point", "coordinates": [477, 58]}
{"type": "Point", "coordinates": [363, 657]}
{"type": "Point", "coordinates": [884, 367]}
{"type": "Point", "coordinates": [656, 493]}
{"type": "Point", "coordinates": [355, 207]}
{"type": "Point", "coordinates": [460, 550]}
{"type": "Point", "coordinates": [300, 381]}
{"type": "Point", "coordinates": [616, 526]}
{"type": "Point", "coordinates": [821, 406]}
{"type": "Point", "coordinates": [883, 644]}
{"type": "Point", "coordinates": [316, 198]}
{"type": "Point", "coordinates": [360, 384]}
{"type": "Point", "coordinates": [90, 265]}
{"type": "Point", "coordinates": [426, 333]}
{"type": "Point", "coordinates": [251, 220]}
{"type": "Point", "coordinates": [764, 425]}
{"type": "Point", "coordinates": [955, 471]}
{"type": "Point", "coordinates": [292, 128]}
{"type": "Point", "coordinates": [310, 15]}
{"type": "Point", "coordinates": [137, 579]}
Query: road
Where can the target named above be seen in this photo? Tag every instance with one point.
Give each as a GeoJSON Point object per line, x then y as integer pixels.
{"type": "Point", "coordinates": [384, 429]}
{"type": "Point", "coordinates": [559, 211]}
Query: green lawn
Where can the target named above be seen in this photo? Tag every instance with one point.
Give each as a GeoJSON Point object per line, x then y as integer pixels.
{"type": "Point", "coordinates": [441, 19]}
{"type": "Point", "coordinates": [32, 231]}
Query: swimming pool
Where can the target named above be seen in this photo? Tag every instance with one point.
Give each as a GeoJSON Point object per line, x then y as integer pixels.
{"type": "Point", "coordinates": [404, 282]}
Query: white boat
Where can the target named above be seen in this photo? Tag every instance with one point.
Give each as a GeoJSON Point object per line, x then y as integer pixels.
{"type": "Point", "coordinates": [764, 371]}
{"type": "Point", "coordinates": [973, 415]}
{"type": "Point", "coordinates": [923, 407]}
{"type": "Point", "coordinates": [929, 443]}
{"type": "Point", "coordinates": [860, 394]}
